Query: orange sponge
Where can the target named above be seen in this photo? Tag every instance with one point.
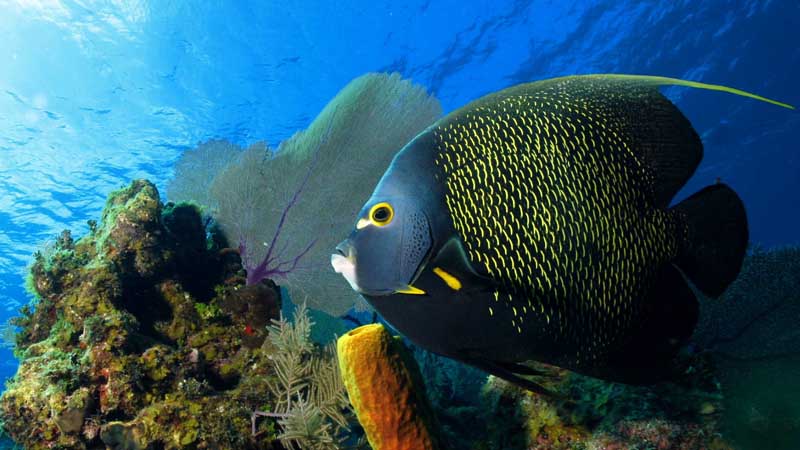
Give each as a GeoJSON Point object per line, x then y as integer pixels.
{"type": "Point", "coordinates": [386, 390]}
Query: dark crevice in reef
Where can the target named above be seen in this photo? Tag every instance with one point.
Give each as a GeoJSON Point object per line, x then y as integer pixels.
{"type": "Point", "coordinates": [149, 309]}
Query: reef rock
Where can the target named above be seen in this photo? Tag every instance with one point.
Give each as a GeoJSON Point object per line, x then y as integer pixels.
{"type": "Point", "coordinates": [141, 335]}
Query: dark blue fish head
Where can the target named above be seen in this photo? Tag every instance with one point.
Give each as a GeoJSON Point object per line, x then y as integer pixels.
{"type": "Point", "coordinates": [387, 249]}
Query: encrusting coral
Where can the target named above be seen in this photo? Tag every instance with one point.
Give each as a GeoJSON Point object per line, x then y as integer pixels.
{"type": "Point", "coordinates": [386, 390]}
{"type": "Point", "coordinates": [143, 335]}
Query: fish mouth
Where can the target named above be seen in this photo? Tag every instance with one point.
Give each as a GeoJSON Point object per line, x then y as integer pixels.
{"type": "Point", "coordinates": [346, 266]}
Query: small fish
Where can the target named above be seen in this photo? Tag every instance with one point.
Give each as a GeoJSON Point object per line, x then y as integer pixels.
{"type": "Point", "coordinates": [534, 224]}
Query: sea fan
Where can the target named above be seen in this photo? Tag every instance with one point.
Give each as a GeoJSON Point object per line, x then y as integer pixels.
{"type": "Point", "coordinates": [286, 210]}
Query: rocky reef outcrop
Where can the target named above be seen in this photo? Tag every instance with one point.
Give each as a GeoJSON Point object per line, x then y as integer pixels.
{"type": "Point", "coordinates": [142, 335]}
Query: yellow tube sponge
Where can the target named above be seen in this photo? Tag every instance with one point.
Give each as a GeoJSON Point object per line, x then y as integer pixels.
{"type": "Point", "coordinates": [386, 390]}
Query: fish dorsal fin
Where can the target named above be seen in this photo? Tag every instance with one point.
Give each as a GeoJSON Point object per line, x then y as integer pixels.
{"type": "Point", "coordinates": [656, 81]}
{"type": "Point", "coordinates": [658, 133]}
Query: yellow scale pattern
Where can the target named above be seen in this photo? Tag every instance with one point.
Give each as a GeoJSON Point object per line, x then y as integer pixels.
{"type": "Point", "coordinates": [551, 200]}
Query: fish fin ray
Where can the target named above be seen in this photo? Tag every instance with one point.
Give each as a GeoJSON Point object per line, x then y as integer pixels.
{"type": "Point", "coordinates": [663, 138]}
{"type": "Point", "coordinates": [717, 234]}
{"type": "Point", "coordinates": [521, 369]}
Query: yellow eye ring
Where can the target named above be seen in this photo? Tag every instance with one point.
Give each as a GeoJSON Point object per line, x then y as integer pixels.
{"type": "Point", "coordinates": [381, 214]}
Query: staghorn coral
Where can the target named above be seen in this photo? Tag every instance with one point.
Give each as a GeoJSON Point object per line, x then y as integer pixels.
{"type": "Point", "coordinates": [386, 390]}
{"type": "Point", "coordinates": [312, 187]}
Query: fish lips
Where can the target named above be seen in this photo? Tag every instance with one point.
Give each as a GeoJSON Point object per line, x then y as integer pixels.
{"type": "Point", "coordinates": [344, 263]}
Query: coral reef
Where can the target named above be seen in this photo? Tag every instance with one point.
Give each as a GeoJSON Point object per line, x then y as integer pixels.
{"type": "Point", "coordinates": [142, 334]}
{"type": "Point", "coordinates": [593, 414]}
{"type": "Point", "coordinates": [455, 392]}
{"type": "Point", "coordinates": [386, 390]}
{"type": "Point", "coordinates": [755, 318]}
{"type": "Point", "coordinates": [480, 413]}
{"type": "Point", "coordinates": [286, 210]}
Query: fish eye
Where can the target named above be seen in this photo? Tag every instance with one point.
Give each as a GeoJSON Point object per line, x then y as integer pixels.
{"type": "Point", "coordinates": [381, 214]}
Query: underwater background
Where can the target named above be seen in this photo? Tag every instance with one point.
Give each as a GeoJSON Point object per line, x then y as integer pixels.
{"type": "Point", "coordinates": [96, 94]}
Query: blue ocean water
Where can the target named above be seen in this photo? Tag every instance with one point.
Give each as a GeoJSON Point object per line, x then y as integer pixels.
{"type": "Point", "coordinates": [96, 93]}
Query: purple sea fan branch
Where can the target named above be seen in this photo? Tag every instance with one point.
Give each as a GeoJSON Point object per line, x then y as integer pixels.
{"type": "Point", "coordinates": [272, 264]}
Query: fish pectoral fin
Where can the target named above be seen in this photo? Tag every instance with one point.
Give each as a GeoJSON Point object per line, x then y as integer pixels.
{"type": "Point", "coordinates": [410, 290]}
{"type": "Point", "coordinates": [453, 266]}
{"type": "Point", "coordinates": [453, 258]}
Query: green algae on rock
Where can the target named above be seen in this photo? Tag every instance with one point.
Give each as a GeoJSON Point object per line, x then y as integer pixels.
{"type": "Point", "coordinates": [119, 349]}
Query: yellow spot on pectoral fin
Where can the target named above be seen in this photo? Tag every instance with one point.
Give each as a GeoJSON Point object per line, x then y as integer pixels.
{"type": "Point", "coordinates": [451, 281]}
{"type": "Point", "coordinates": [410, 290]}
{"type": "Point", "coordinates": [663, 81]}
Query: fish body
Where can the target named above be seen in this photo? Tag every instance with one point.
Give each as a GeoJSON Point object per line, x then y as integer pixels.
{"type": "Point", "coordinates": [535, 224]}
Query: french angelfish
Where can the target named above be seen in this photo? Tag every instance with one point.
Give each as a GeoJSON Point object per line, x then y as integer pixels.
{"type": "Point", "coordinates": [535, 224]}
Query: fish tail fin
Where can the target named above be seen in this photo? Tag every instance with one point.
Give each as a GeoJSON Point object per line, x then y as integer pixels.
{"type": "Point", "coordinates": [715, 236]}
